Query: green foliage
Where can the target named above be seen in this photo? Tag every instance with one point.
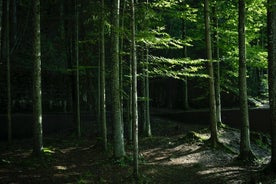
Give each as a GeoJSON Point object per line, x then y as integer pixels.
{"type": "Point", "coordinates": [176, 68]}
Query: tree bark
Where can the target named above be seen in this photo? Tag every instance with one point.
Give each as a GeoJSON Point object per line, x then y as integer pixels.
{"type": "Point", "coordinates": [148, 124]}
{"type": "Point", "coordinates": [102, 83]}
{"type": "Point", "coordinates": [37, 102]}
{"type": "Point", "coordinates": [271, 25]}
{"type": "Point", "coordinates": [245, 147]}
{"type": "Point", "coordinates": [134, 92]}
{"type": "Point", "coordinates": [119, 149]}
{"type": "Point", "coordinates": [185, 54]}
{"type": "Point", "coordinates": [9, 117]}
{"type": "Point", "coordinates": [217, 65]}
{"type": "Point", "coordinates": [77, 76]}
{"type": "Point", "coordinates": [212, 101]}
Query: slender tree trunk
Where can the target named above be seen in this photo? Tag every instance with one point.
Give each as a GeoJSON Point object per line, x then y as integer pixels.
{"type": "Point", "coordinates": [217, 67]}
{"type": "Point", "coordinates": [271, 24]}
{"type": "Point", "coordinates": [77, 87]}
{"type": "Point", "coordinates": [102, 82]}
{"type": "Point", "coordinates": [134, 93]}
{"type": "Point", "coordinates": [14, 22]}
{"type": "Point", "coordinates": [212, 101]}
{"type": "Point", "coordinates": [130, 102]}
{"type": "Point", "coordinates": [185, 54]}
{"type": "Point", "coordinates": [7, 59]}
{"type": "Point", "coordinates": [245, 147]}
{"type": "Point", "coordinates": [119, 149]}
{"type": "Point", "coordinates": [37, 102]}
{"type": "Point", "coordinates": [148, 124]}
{"type": "Point", "coordinates": [121, 65]}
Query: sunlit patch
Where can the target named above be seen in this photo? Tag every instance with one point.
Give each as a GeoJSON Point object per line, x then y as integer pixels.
{"type": "Point", "coordinates": [60, 167]}
{"type": "Point", "coordinates": [48, 150]}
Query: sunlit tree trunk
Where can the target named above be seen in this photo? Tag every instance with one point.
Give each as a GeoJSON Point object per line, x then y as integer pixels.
{"type": "Point", "coordinates": [119, 149]}
{"type": "Point", "coordinates": [212, 101]}
{"type": "Point", "coordinates": [134, 92]}
{"type": "Point", "coordinates": [271, 34]}
{"type": "Point", "coordinates": [102, 82]}
{"type": "Point", "coordinates": [245, 147]}
{"type": "Point", "coordinates": [217, 66]}
{"type": "Point", "coordinates": [37, 102]}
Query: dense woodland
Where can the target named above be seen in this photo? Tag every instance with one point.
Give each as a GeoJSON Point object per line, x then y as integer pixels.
{"type": "Point", "coordinates": [118, 60]}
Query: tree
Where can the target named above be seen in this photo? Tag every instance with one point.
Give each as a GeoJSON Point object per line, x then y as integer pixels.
{"type": "Point", "coordinates": [147, 128]}
{"type": "Point", "coordinates": [6, 54]}
{"type": "Point", "coordinates": [134, 92]}
{"type": "Point", "coordinates": [102, 82]}
{"type": "Point", "coordinates": [212, 101]}
{"type": "Point", "coordinates": [36, 57]}
{"type": "Point", "coordinates": [77, 74]}
{"type": "Point", "coordinates": [271, 34]}
{"type": "Point", "coordinates": [119, 149]}
{"type": "Point", "coordinates": [217, 67]}
{"type": "Point", "coordinates": [245, 147]}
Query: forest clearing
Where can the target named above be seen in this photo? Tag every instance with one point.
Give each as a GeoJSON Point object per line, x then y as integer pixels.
{"type": "Point", "coordinates": [172, 156]}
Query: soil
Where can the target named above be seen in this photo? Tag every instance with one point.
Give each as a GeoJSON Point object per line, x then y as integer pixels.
{"type": "Point", "coordinates": [177, 153]}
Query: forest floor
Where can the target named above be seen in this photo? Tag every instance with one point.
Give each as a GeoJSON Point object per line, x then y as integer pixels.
{"type": "Point", "coordinates": [177, 153]}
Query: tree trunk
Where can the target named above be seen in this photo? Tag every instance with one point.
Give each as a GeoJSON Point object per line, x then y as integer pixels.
{"type": "Point", "coordinates": [245, 147]}
{"type": "Point", "coordinates": [185, 54]}
{"type": "Point", "coordinates": [121, 65]}
{"type": "Point", "coordinates": [271, 17]}
{"type": "Point", "coordinates": [37, 102]}
{"type": "Point", "coordinates": [77, 76]}
{"type": "Point", "coordinates": [217, 67]}
{"type": "Point", "coordinates": [134, 93]}
{"type": "Point", "coordinates": [212, 101]}
{"type": "Point", "coordinates": [102, 83]}
{"type": "Point", "coordinates": [8, 72]}
{"type": "Point", "coordinates": [119, 149]}
{"type": "Point", "coordinates": [148, 124]}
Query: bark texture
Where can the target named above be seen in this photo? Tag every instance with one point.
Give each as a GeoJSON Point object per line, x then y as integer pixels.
{"type": "Point", "coordinates": [37, 105]}
{"type": "Point", "coordinates": [119, 149]}
{"type": "Point", "coordinates": [212, 100]}
{"type": "Point", "coordinates": [245, 147]}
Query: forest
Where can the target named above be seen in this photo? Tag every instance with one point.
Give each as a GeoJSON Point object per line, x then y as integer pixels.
{"type": "Point", "coordinates": [137, 91]}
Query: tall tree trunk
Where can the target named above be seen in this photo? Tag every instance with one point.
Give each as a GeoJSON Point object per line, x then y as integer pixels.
{"type": "Point", "coordinates": [37, 102]}
{"type": "Point", "coordinates": [8, 73]}
{"type": "Point", "coordinates": [217, 67]}
{"type": "Point", "coordinates": [102, 82]}
{"type": "Point", "coordinates": [148, 124]}
{"type": "Point", "coordinates": [245, 147]}
{"type": "Point", "coordinates": [212, 100]}
{"type": "Point", "coordinates": [76, 54]}
{"type": "Point", "coordinates": [134, 92]}
{"type": "Point", "coordinates": [271, 25]}
{"type": "Point", "coordinates": [130, 133]}
{"type": "Point", "coordinates": [185, 54]}
{"type": "Point", "coordinates": [119, 149]}
{"type": "Point", "coordinates": [121, 65]}
{"type": "Point", "coordinates": [14, 22]}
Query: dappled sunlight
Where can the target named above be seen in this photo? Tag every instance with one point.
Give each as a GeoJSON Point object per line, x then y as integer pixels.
{"type": "Point", "coordinates": [60, 167]}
